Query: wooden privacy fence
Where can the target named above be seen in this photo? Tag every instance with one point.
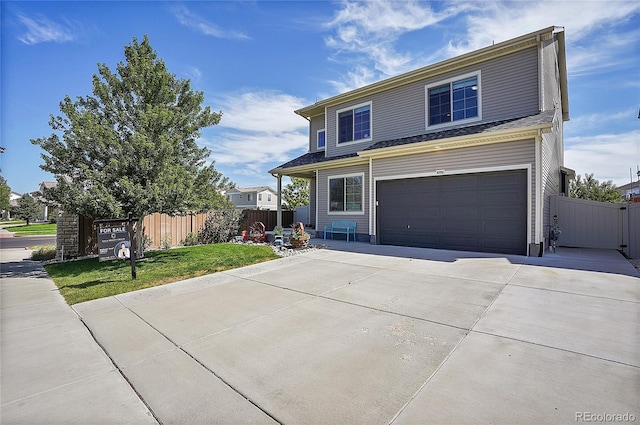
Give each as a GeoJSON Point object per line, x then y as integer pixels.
{"type": "Point", "coordinates": [267, 217]}
{"type": "Point", "coordinates": [163, 229]}
{"type": "Point", "coordinates": [591, 224]}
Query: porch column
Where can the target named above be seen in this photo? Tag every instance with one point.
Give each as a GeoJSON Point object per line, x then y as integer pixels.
{"type": "Point", "coordinates": [279, 200]}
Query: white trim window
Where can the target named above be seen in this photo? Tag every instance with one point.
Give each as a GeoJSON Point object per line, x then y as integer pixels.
{"type": "Point", "coordinates": [346, 194]}
{"type": "Point", "coordinates": [249, 197]}
{"type": "Point", "coordinates": [456, 100]}
{"type": "Point", "coordinates": [260, 197]}
{"type": "Point", "coordinates": [321, 139]}
{"type": "Point", "coordinates": [353, 124]}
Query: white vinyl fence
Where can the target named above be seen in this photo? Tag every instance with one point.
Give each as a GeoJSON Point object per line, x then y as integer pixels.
{"type": "Point", "coordinates": [591, 224]}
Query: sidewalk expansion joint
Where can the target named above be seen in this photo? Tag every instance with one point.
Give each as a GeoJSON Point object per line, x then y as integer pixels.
{"type": "Point", "coordinates": [237, 391]}
{"type": "Point", "coordinates": [557, 348]}
{"type": "Point", "coordinates": [115, 365]}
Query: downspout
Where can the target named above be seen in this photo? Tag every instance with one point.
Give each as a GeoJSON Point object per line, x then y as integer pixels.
{"type": "Point", "coordinates": [538, 226]}
{"type": "Point", "coordinates": [540, 76]}
{"type": "Point", "coordinates": [371, 200]}
{"type": "Point", "coordinates": [317, 208]}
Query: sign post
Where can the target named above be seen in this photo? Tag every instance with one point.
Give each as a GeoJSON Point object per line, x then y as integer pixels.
{"type": "Point", "coordinates": [133, 251]}
{"type": "Point", "coordinates": [115, 241]}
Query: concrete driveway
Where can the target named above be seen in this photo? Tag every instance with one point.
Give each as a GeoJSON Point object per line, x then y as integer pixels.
{"type": "Point", "coordinates": [356, 334]}
{"type": "Point", "coordinates": [365, 334]}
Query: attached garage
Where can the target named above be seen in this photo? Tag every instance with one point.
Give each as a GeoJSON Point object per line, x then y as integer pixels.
{"type": "Point", "coordinates": [483, 212]}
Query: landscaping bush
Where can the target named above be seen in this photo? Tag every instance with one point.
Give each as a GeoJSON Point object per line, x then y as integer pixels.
{"type": "Point", "coordinates": [190, 240]}
{"type": "Point", "coordinates": [220, 226]}
{"type": "Point", "coordinates": [43, 253]}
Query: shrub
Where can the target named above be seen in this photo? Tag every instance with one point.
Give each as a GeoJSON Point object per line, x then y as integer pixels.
{"type": "Point", "coordinates": [146, 242]}
{"type": "Point", "coordinates": [43, 253]}
{"type": "Point", "coordinates": [220, 226]}
{"type": "Point", "coordinates": [191, 239]}
{"type": "Point", "coordinates": [166, 241]}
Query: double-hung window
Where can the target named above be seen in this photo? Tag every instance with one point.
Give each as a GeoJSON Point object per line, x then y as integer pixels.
{"type": "Point", "coordinates": [354, 124]}
{"type": "Point", "coordinates": [346, 194]}
{"type": "Point", "coordinates": [454, 100]}
{"type": "Point", "coordinates": [322, 141]}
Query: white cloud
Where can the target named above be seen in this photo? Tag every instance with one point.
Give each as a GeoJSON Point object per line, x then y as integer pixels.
{"type": "Point", "coordinates": [255, 149]}
{"type": "Point", "coordinates": [189, 19]}
{"type": "Point", "coordinates": [371, 28]}
{"type": "Point", "coordinates": [607, 156]}
{"type": "Point", "coordinates": [590, 121]}
{"type": "Point", "coordinates": [258, 127]}
{"type": "Point", "coordinates": [586, 24]}
{"type": "Point", "coordinates": [262, 110]}
{"type": "Point", "coordinates": [360, 76]}
{"type": "Point", "coordinates": [41, 29]}
{"type": "Point", "coordinates": [193, 73]}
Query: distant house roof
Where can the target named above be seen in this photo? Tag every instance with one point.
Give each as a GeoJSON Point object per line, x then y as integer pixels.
{"type": "Point", "coordinates": [251, 189]}
{"type": "Point", "coordinates": [531, 121]}
{"type": "Point", "coordinates": [48, 185]}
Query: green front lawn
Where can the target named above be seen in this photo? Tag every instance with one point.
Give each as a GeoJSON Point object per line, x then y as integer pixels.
{"type": "Point", "coordinates": [89, 279]}
{"type": "Point", "coordinates": [33, 229]}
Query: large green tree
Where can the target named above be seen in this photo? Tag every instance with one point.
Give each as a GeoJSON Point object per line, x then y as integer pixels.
{"type": "Point", "coordinates": [131, 146]}
{"type": "Point", "coordinates": [591, 188]}
{"type": "Point", "coordinates": [28, 208]}
{"type": "Point", "coordinates": [296, 193]}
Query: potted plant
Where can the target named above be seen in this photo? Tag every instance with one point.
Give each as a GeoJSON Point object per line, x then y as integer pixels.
{"type": "Point", "coordinates": [299, 238]}
{"type": "Point", "coordinates": [278, 235]}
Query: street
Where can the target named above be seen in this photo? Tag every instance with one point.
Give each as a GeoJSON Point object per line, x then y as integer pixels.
{"type": "Point", "coordinates": [26, 241]}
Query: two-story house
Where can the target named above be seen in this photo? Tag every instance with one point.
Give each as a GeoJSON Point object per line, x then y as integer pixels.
{"type": "Point", "coordinates": [253, 198]}
{"type": "Point", "coordinates": [462, 154]}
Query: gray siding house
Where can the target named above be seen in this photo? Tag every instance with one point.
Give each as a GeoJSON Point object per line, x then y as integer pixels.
{"type": "Point", "coordinates": [462, 154]}
{"type": "Point", "coordinates": [253, 198]}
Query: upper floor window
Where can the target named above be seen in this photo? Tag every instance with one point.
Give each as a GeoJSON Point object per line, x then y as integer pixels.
{"type": "Point", "coordinates": [322, 142]}
{"type": "Point", "coordinates": [268, 197]}
{"type": "Point", "coordinates": [354, 123]}
{"type": "Point", "coordinates": [454, 100]}
{"type": "Point", "coordinates": [248, 197]}
{"type": "Point", "coordinates": [259, 196]}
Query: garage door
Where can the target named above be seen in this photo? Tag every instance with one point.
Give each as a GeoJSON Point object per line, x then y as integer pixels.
{"type": "Point", "coordinates": [484, 212]}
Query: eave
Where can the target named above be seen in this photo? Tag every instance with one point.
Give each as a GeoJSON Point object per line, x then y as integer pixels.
{"type": "Point", "coordinates": [307, 169]}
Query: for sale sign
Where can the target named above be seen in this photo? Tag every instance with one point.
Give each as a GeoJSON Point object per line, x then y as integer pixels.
{"type": "Point", "coordinates": [113, 241]}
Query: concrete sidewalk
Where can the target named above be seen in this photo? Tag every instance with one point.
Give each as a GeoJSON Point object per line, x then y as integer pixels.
{"type": "Point", "coordinates": [52, 370]}
{"type": "Point", "coordinates": [354, 333]}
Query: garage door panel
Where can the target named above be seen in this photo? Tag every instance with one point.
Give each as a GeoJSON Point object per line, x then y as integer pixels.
{"type": "Point", "coordinates": [476, 212]}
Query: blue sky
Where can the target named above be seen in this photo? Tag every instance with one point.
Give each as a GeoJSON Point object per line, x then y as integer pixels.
{"type": "Point", "coordinates": [258, 61]}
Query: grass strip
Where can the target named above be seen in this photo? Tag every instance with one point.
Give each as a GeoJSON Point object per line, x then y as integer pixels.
{"type": "Point", "coordinates": [34, 229]}
{"type": "Point", "coordinates": [90, 279]}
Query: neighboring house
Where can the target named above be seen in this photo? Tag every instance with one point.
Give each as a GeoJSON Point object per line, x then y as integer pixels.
{"type": "Point", "coordinates": [462, 154]}
{"type": "Point", "coordinates": [630, 191]}
{"type": "Point", "coordinates": [45, 203]}
{"type": "Point", "coordinates": [13, 203]}
{"type": "Point", "coordinates": [253, 198]}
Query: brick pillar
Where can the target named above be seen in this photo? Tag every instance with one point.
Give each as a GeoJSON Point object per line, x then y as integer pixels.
{"type": "Point", "coordinates": [67, 235]}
